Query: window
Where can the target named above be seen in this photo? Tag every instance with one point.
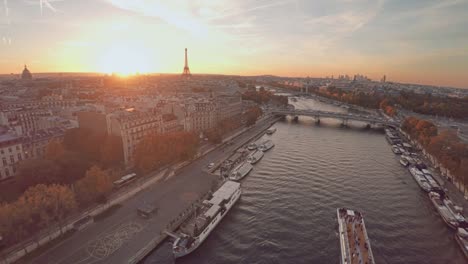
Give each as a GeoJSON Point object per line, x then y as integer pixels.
{"type": "Point", "coordinates": [3, 152]}
{"type": "Point", "coordinates": [9, 149]}
{"type": "Point", "coordinates": [12, 159]}
{"type": "Point", "coordinates": [19, 156]}
{"type": "Point", "coordinates": [4, 162]}
{"type": "Point", "coordinates": [7, 173]}
{"type": "Point", "coordinates": [17, 148]}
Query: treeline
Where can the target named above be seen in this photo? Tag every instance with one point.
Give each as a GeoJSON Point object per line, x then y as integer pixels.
{"type": "Point", "coordinates": [67, 162]}
{"type": "Point", "coordinates": [264, 97]}
{"type": "Point", "coordinates": [418, 103]}
{"type": "Point", "coordinates": [433, 105]}
{"type": "Point", "coordinates": [156, 150]}
{"type": "Point", "coordinates": [445, 146]}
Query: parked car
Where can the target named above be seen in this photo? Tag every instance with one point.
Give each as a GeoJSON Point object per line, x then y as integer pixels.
{"type": "Point", "coordinates": [211, 165]}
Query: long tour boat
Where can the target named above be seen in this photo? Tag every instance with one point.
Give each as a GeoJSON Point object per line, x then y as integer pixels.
{"type": "Point", "coordinates": [210, 214]}
{"type": "Point", "coordinates": [354, 242]}
{"type": "Point", "coordinates": [462, 239]}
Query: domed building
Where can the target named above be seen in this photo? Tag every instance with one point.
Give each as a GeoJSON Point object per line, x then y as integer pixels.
{"type": "Point", "coordinates": [26, 75]}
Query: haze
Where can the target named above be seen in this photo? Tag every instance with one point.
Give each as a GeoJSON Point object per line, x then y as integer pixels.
{"type": "Point", "coordinates": [409, 41]}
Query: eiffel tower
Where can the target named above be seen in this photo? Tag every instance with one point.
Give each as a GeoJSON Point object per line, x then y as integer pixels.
{"type": "Point", "coordinates": [186, 72]}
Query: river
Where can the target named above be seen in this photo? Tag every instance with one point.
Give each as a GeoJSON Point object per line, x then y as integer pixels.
{"type": "Point", "coordinates": [287, 211]}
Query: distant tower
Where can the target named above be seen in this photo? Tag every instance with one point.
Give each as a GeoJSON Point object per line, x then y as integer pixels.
{"type": "Point", "coordinates": [26, 75]}
{"type": "Point", "coordinates": [186, 72]}
{"type": "Point", "coordinates": [384, 78]}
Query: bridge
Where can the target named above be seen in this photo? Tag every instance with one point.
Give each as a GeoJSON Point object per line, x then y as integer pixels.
{"type": "Point", "coordinates": [316, 114]}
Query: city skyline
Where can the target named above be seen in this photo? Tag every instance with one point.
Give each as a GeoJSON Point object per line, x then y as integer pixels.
{"type": "Point", "coordinates": [409, 41]}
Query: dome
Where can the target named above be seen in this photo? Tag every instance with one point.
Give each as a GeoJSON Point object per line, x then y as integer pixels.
{"type": "Point", "coordinates": [26, 75]}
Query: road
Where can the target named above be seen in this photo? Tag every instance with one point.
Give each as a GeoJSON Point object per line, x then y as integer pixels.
{"type": "Point", "coordinates": [117, 237]}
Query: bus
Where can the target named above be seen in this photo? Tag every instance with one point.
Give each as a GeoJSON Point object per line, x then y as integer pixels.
{"type": "Point", "coordinates": [125, 180]}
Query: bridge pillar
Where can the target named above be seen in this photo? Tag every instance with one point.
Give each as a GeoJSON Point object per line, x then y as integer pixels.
{"type": "Point", "coordinates": [296, 118]}
{"type": "Point", "coordinates": [317, 119]}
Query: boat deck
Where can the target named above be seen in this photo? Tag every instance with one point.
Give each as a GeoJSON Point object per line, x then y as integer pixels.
{"type": "Point", "coordinates": [358, 243]}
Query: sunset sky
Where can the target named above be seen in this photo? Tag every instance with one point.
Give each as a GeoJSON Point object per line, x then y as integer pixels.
{"type": "Point", "coordinates": [413, 41]}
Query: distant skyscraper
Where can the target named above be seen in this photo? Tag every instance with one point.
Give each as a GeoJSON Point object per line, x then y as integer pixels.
{"type": "Point", "coordinates": [384, 78]}
{"type": "Point", "coordinates": [26, 75]}
{"type": "Point", "coordinates": [186, 72]}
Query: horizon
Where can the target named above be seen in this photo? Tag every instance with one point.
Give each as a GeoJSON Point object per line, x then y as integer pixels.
{"type": "Point", "coordinates": [406, 41]}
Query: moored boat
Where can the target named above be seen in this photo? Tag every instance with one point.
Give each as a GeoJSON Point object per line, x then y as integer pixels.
{"type": "Point", "coordinates": [455, 210]}
{"type": "Point", "coordinates": [404, 162]}
{"type": "Point", "coordinates": [354, 242]}
{"type": "Point", "coordinates": [255, 157]}
{"type": "Point", "coordinates": [270, 131]}
{"type": "Point", "coordinates": [462, 239]}
{"type": "Point", "coordinates": [210, 214]}
{"type": "Point", "coordinates": [252, 146]}
{"type": "Point", "coordinates": [420, 179]}
{"type": "Point", "coordinates": [396, 150]}
{"type": "Point", "coordinates": [444, 212]}
{"type": "Point", "coordinates": [240, 171]}
{"type": "Point", "coordinates": [266, 145]}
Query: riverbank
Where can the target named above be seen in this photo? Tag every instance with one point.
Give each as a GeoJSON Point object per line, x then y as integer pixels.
{"type": "Point", "coordinates": [120, 236]}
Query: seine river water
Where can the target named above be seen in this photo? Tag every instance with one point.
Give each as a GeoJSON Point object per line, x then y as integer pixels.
{"type": "Point", "coordinates": [287, 211]}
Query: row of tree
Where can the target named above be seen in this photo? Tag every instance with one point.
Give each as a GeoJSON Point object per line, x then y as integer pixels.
{"type": "Point", "coordinates": [46, 205]}
{"type": "Point", "coordinates": [156, 150]}
{"type": "Point", "coordinates": [445, 146]}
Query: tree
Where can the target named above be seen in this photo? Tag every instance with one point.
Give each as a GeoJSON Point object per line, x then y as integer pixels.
{"type": "Point", "coordinates": [37, 171]}
{"type": "Point", "coordinates": [112, 151]}
{"type": "Point", "coordinates": [54, 150]}
{"type": "Point", "coordinates": [94, 186]}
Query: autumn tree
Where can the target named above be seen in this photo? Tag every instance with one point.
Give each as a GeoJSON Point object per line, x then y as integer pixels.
{"type": "Point", "coordinates": [112, 151]}
{"type": "Point", "coordinates": [54, 150]}
{"type": "Point", "coordinates": [37, 171]}
{"type": "Point", "coordinates": [94, 186]}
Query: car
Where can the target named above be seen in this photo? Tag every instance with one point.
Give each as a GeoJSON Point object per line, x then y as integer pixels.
{"type": "Point", "coordinates": [211, 165]}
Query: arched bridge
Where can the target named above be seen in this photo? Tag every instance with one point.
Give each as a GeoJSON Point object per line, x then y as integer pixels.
{"type": "Point", "coordinates": [371, 119]}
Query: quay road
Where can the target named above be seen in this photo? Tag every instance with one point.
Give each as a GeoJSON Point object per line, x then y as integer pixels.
{"type": "Point", "coordinates": [119, 236]}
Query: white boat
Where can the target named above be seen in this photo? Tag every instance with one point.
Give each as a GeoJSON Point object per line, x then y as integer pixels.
{"type": "Point", "coordinates": [267, 145]}
{"type": "Point", "coordinates": [351, 229]}
{"type": "Point", "coordinates": [252, 146]}
{"type": "Point", "coordinates": [255, 157]}
{"type": "Point", "coordinates": [455, 210]}
{"type": "Point", "coordinates": [271, 130]}
{"type": "Point", "coordinates": [444, 212]}
{"type": "Point", "coordinates": [404, 162]}
{"type": "Point", "coordinates": [420, 179]}
{"type": "Point", "coordinates": [396, 150]}
{"type": "Point", "coordinates": [240, 171]}
{"type": "Point", "coordinates": [462, 239]}
{"type": "Point", "coordinates": [432, 182]}
{"type": "Point", "coordinates": [212, 211]}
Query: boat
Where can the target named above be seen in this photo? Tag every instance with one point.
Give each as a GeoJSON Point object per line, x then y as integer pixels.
{"type": "Point", "coordinates": [351, 229]}
{"type": "Point", "coordinates": [210, 214]}
{"type": "Point", "coordinates": [267, 145]}
{"type": "Point", "coordinates": [444, 212]}
{"type": "Point", "coordinates": [252, 146]}
{"type": "Point", "coordinates": [255, 157]}
{"type": "Point", "coordinates": [455, 210]}
{"type": "Point", "coordinates": [434, 184]}
{"type": "Point", "coordinates": [270, 131]}
{"type": "Point", "coordinates": [462, 240]}
{"type": "Point", "coordinates": [240, 171]}
{"type": "Point", "coordinates": [404, 162]}
{"type": "Point", "coordinates": [396, 150]}
{"type": "Point", "coordinates": [420, 179]}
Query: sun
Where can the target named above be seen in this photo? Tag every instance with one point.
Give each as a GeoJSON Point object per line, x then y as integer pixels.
{"type": "Point", "coordinates": [124, 59]}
